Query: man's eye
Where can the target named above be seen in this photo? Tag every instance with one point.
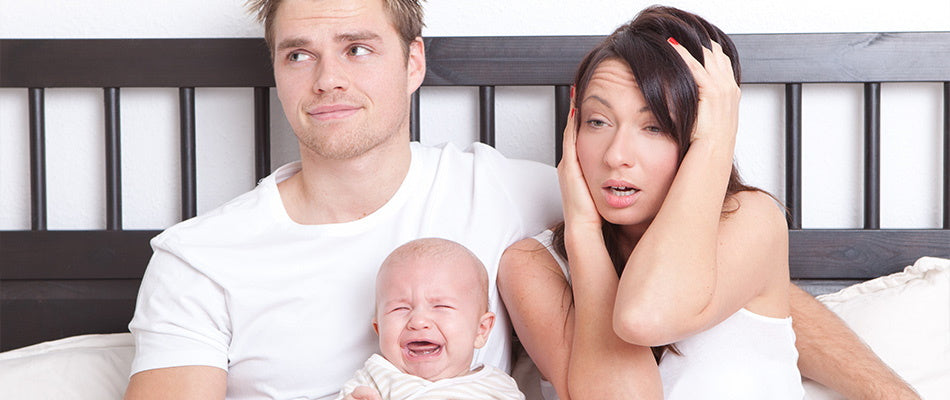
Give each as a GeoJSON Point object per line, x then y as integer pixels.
{"type": "Point", "coordinates": [359, 51]}
{"type": "Point", "coordinates": [295, 57]}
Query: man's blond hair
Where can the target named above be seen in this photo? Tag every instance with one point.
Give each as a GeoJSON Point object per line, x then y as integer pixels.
{"type": "Point", "coordinates": [405, 15]}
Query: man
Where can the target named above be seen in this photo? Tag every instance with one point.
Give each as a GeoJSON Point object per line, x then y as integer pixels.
{"type": "Point", "coordinates": [269, 296]}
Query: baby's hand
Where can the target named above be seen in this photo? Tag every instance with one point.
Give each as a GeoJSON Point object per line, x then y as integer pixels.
{"type": "Point", "coordinates": [363, 393]}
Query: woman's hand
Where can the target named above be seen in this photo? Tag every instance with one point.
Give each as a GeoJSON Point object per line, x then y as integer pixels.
{"type": "Point", "coordinates": [579, 209]}
{"type": "Point", "coordinates": [718, 111]}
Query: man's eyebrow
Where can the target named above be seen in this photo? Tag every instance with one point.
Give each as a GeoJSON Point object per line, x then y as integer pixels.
{"type": "Point", "coordinates": [292, 42]}
{"type": "Point", "coordinates": [358, 36]}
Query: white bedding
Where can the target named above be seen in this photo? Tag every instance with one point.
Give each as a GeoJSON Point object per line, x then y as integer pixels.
{"type": "Point", "coordinates": [904, 317]}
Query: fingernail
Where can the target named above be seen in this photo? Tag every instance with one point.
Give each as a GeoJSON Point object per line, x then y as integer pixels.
{"type": "Point", "coordinates": [572, 91]}
{"type": "Point", "coordinates": [672, 41]}
{"type": "Point", "coordinates": [572, 112]}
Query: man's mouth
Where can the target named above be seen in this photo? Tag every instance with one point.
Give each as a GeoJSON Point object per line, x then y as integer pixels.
{"type": "Point", "coordinates": [331, 112]}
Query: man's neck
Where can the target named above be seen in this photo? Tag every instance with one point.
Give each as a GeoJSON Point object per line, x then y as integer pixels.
{"type": "Point", "coordinates": [334, 191]}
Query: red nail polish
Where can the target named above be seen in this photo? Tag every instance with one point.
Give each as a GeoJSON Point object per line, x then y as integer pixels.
{"type": "Point", "coordinates": [672, 41]}
{"type": "Point", "coordinates": [572, 112]}
{"type": "Point", "coordinates": [572, 91]}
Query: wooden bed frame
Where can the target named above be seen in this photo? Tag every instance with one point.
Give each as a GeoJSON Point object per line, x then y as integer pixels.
{"type": "Point", "coordinates": [55, 284]}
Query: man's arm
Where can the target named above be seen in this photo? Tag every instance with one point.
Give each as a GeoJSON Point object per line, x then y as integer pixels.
{"type": "Point", "coordinates": [191, 382]}
{"type": "Point", "coordinates": [830, 353]}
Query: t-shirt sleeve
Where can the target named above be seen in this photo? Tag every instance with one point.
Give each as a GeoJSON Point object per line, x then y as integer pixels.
{"type": "Point", "coordinates": [180, 316]}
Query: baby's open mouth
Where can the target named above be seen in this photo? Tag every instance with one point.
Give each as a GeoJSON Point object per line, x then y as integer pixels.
{"type": "Point", "coordinates": [422, 348]}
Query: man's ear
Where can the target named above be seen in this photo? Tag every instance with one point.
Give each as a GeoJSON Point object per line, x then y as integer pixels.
{"type": "Point", "coordinates": [416, 65]}
{"type": "Point", "coordinates": [485, 323]}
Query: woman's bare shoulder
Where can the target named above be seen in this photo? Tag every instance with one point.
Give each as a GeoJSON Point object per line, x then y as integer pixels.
{"type": "Point", "coordinates": [527, 257]}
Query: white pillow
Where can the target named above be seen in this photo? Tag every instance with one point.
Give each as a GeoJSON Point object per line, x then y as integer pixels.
{"type": "Point", "coordinates": [94, 367]}
{"type": "Point", "coordinates": [905, 318]}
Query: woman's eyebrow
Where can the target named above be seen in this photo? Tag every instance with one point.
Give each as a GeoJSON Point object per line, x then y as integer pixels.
{"type": "Point", "coordinates": [599, 99]}
{"type": "Point", "coordinates": [607, 103]}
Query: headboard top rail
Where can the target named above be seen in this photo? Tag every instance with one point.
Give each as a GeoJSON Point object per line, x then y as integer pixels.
{"type": "Point", "coordinates": [463, 61]}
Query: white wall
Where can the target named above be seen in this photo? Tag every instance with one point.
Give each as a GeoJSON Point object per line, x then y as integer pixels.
{"type": "Point", "coordinates": [832, 131]}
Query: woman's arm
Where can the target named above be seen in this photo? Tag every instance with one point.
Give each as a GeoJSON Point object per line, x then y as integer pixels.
{"type": "Point", "coordinates": [594, 289]}
{"type": "Point", "coordinates": [831, 354]}
{"type": "Point", "coordinates": [538, 300]}
{"type": "Point", "coordinates": [540, 304]}
{"type": "Point", "coordinates": [692, 268]}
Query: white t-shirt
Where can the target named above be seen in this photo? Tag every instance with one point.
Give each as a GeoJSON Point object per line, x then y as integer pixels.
{"type": "Point", "coordinates": [286, 308]}
{"type": "Point", "coordinates": [484, 382]}
{"type": "Point", "coordinates": [746, 356]}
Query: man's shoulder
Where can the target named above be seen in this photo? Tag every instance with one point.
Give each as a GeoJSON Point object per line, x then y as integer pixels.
{"type": "Point", "coordinates": [241, 214]}
{"type": "Point", "coordinates": [478, 157]}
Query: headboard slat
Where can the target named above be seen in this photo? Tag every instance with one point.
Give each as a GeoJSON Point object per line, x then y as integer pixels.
{"type": "Point", "coordinates": [37, 159]}
{"type": "Point", "coordinates": [562, 106]}
{"type": "Point", "coordinates": [793, 154]}
{"type": "Point", "coordinates": [872, 155]}
{"type": "Point", "coordinates": [946, 155]}
{"type": "Point", "coordinates": [189, 186]}
{"type": "Point", "coordinates": [113, 159]}
{"type": "Point", "coordinates": [261, 133]}
{"type": "Point", "coordinates": [486, 115]}
{"type": "Point", "coordinates": [414, 115]}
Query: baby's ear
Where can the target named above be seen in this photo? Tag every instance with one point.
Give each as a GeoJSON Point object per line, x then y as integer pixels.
{"type": "Point", "coordinates": [485, 323]}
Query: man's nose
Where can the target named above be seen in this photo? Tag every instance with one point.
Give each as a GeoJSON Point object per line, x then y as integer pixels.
{"type": "Point", "coordinates": [332, 75]}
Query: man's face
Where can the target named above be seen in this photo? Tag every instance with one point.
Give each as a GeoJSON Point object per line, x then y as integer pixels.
{"type": "Point", "coordinates": [343, 77]}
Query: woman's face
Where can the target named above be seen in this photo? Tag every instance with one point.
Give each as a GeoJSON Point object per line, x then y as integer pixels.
{"type": "Point", "coordinates": [628, 162]}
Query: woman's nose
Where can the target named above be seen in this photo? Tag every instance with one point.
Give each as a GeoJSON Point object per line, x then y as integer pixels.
{"type": "Point", "coordinates": [618, 152]}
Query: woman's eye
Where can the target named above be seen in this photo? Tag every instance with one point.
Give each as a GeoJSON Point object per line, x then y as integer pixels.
{"type": "Point", "coordinates": [596, 123]}
{"type": "Point", "coordinates": [359, 51]}
{"type": "Point", "coordinates": [654, 129]}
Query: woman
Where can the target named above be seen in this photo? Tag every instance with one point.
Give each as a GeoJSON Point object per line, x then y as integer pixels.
{"type": "Point", "coordinates": [666, 244]}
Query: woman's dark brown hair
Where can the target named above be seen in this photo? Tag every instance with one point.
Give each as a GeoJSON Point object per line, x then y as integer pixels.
{"type": "Point", "coordinates": [667, 85]}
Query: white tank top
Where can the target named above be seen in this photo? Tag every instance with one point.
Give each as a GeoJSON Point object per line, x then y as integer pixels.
{"type": "Point", "coordinates": [746, 356]}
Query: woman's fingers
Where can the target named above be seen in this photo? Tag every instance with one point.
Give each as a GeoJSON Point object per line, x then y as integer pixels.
{"type": "Point", "coordinates": [718, 92]}
{"type": "Point", "coordinates": [717, 68]}
{"type": "Point", "coordinates": [569, 138]}
{"type": "Point", "coordinates": [575, 196]}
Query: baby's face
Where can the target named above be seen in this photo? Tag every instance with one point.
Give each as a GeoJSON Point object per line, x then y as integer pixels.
{"type": "Point", "coordinates": [430, 317]}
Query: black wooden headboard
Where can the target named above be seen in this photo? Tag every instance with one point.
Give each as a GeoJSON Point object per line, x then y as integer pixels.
{"type": "Point", "coordinates": [55, 283]}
